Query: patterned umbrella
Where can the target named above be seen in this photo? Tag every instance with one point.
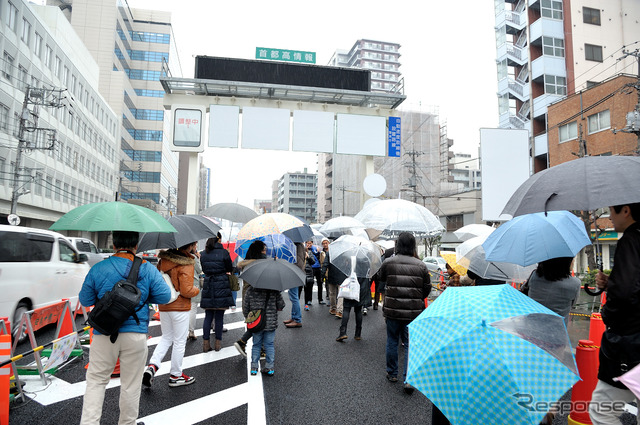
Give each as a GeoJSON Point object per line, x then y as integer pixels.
{"type": "Point", "coordinates": [268, 224]}
{"type": "Point", "coordinates": [278, 246]}
{"type": "Point", "coordinates": [490, 354]}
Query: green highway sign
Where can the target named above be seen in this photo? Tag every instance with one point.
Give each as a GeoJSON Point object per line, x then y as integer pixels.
{"type": "Point", "coordinates": [285, 55]}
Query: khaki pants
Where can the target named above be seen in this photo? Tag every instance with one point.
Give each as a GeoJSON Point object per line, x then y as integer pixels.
{"type": "Point", "coordinates": [131, 349]}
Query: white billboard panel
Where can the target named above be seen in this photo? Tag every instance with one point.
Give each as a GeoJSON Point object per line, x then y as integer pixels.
{"type": "Point", "coordinates": [224, 127]}
{"type": "Point", "coordinates": [361, 135]}
{"type": "Point", "coordinates": [265, 128]}
{"type": "Point", "coordinates": [504, 159]}
{"type": "Point", "coordinates": [313, 131]}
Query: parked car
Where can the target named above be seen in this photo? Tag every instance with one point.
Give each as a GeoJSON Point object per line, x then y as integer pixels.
{"type": "Point", "coordinates": [436, 264]}
{"type": "Point", "coordinates": [150, 256]}
{"type": "Point", "coordinates": [86, 246]}
{"type": "Point", "coordinates": [37, 267]}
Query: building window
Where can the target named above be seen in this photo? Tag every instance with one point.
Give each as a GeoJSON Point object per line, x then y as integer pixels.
{"type": "Point", "coordinates": [143, 55]}
{"type": "Point", "coordinates": [37, 47]}
{"type": "Point", "coordinates": [150, 37]}
{"type": "Point", "coordinates": [12, 17]}
{"type": "Point", "coordinates": [568, 132]}
{"type": "Point", "coordinates": [149, 93]}
{"type": "Point", "coordinates": [503, 70]}
{"type": "Point", "coordinates": [58, 187]}
{"type": "Point", "coordinates": [599, 121]}
{"type": "Point", "coordinates": [4, 117]}
{"type": "Point", "coordinates": [26, 31]}
{"type": "Point", "coordinates": [555, 85]}
{"type": "Point", "coordinates": [593, 52]}
{"type": "Point", "coordinates": [591, 84]}
{"type": "Point", "coordinates": [551, 9]}
{"type": "Point", "coordinates": [47, 57]}
{"type": "Point", "coordinates": [591, 16]}
{"type": "Point", "coordinates": [454, 222]}
{"type": "Point", "coordinates": [23, 78]}
{"type": "Point", "coordinates": [7, 70]}
{"type": "Point", "coordinates": [65, 76]}
{"type": "Point", "coordinates": [553, 46]}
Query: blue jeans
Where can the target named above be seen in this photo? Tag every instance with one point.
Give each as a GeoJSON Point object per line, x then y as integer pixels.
{"type": "Point", "coordinates": [263, 339]}
{"type": "Point", "coordinates": [296, 314]}
{"type": "Point", "coordinates": [234, 294]}
{"type": "Point", "coordinates": [397, 330]}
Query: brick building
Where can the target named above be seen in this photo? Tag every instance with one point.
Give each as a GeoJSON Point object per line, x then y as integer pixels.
{"type": "Point", "coordinates": [589, 116]}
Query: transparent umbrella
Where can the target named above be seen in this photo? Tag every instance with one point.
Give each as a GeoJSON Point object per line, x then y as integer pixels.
{"type": "Point", "coordinates": [398, 215]}
{"type": "Point", "coordinates": [367, 253]}
{"type": "Point", "coordinates": [344, 225]}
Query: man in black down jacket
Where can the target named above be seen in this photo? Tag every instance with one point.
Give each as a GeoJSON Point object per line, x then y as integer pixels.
{"type": "Point", "coordinates": [407, 285]}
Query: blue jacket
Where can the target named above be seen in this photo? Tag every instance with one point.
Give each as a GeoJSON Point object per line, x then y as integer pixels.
{"type": "Point", "coordinates": [216, 292]}
{"type": "Point", "coordinates": [315, 257]}
{"type": "Point", "coordinates": [104, 275]}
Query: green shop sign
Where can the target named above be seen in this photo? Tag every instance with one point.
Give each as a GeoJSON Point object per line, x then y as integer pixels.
{"type": "Point", "coordinates": [285, 55]}
{"type": "Point", "coordinates": [605, 236]}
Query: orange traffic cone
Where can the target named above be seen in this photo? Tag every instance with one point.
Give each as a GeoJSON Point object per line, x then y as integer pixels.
{"type": "Point", "coordinates": [5, 375]}
{"type": "Point", "coordinates": [586, 359]}
{"type": "Point", "coordinates": [116, 370]}
{"type": "Point", "coordinates": [66, 321]}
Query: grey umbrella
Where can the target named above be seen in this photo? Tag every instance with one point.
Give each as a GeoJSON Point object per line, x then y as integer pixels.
{"type": "Point", "coordinates": [230, 211]}
{"type": "Point", "coordinates": [583, 184]}
{"type": "Point", "coordinates": [273, 273]}
{"type": "Point", "coordinates": [190, 227]}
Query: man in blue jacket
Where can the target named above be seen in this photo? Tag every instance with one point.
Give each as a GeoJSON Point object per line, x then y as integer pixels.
{"type": "Point", "coordinates": [131, 345]}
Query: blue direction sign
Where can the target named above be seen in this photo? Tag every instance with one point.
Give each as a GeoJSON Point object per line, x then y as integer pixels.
{"type": "Point", "coordinates": [395, 136]}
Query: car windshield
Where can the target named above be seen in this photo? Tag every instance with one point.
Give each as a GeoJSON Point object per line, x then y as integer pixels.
{"type": "Point", "coordinates": [25, 247]}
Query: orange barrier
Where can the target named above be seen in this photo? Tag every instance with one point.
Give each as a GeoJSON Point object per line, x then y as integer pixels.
{"type": "Point", "coordinates": [116, 369]}
{"type": "Point", "coordinates": [603, 299]}
{"type": "Point", "coordinates": [5, 375]}
{"type": "Point", "coordinates": [586, 359]}
{"type": "Point", "coordinates": [596, 328]}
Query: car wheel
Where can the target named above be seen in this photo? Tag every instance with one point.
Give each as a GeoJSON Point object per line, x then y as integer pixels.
{"type": "Point", "coordinates": [19, 334]}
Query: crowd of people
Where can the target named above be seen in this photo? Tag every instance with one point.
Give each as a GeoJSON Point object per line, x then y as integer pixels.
{"type": "Point", "coordinates": [402, 284]}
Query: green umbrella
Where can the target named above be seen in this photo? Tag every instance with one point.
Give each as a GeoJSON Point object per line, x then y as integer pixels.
{"type": "Point", "coordinates": [110, 216]}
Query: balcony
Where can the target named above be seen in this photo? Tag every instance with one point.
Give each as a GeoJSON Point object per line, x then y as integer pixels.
{"type": "Point", "coordinates": [547, 27]}
{"type": "Point", "coordinates": [541, 144]}
{"type": "Point", "coordinates": [549, 65]}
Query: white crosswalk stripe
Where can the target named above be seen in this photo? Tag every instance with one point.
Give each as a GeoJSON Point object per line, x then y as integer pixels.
{"type": "Point", "coordinates": [194, 411]}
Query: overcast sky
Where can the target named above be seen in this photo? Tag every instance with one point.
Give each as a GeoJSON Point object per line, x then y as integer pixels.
{"type": "Point", "coordinates": [447, 57]}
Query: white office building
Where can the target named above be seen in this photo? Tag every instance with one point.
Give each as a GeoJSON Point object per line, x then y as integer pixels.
{"type": "Point", "coordinates": [70, 135]}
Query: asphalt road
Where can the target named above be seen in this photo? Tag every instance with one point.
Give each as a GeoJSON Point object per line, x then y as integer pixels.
{"type": "Point", "coordinates": [317, 381]}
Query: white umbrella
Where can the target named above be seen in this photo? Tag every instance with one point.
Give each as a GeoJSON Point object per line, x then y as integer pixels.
{"type": "Point", "coordinates": [394, 216]}
{"type": "Point", "coordinates": [472, 230]}
{"type": "Point", "coordinates": [344, 225]}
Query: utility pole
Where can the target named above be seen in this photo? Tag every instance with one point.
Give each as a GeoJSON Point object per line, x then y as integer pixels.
{"type": "Point", "coordinates": [413, 179]}
{"type": "Point", "coordinates": [633, 117]}
{"type": "Point", "coordinates": [37, 97]}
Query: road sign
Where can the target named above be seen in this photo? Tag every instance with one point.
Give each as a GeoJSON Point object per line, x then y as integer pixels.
{"type": "Point", "coordinates": [395, 136]}
{"type": "Point", "coordinates": [285, 55]}
{"type": "Point", "coordinates": [13, 219]}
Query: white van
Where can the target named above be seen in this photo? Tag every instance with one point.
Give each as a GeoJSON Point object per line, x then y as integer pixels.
{"type": "Point", "coordinates": [86, 246]}
{"type": "Point", "coordinates": [37, 267]}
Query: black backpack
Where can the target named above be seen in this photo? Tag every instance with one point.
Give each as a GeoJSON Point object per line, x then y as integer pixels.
{"type": "Point", "coordinates": [118, 304]}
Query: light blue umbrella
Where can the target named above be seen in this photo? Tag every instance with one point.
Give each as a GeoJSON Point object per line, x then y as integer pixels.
{"type": "Point", "coordinates": [487, 354]}
{"type": "Point", "coordinates": [531, 238]}
{"type": "Point", "coordinates": [278, 246]}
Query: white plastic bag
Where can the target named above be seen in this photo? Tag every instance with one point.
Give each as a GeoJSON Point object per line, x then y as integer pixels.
{"type": "Point", "coordinates": [350, 289]}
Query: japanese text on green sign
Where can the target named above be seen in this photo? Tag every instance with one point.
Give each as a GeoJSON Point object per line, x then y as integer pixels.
{"type": "Point", "coordinates": [285, 55]}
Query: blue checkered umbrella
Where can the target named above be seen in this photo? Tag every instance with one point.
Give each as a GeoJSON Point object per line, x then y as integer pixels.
{"type": "Point", "coordinates": [278, 246]}
{"type": "Point", "coordinates": [490, 354]}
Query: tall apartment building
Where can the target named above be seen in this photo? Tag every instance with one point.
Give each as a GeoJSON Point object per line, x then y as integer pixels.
{"type": "Point", "coordinates": [133, 48]}
{"type": "Point", "coordinates": [297, 195]}
{"type": "Point", "coordinates": [74, 161]}
{"type": "Point", "coordinates": [548, 49]}
{"type": "Point", "coordinates": [381, 57]}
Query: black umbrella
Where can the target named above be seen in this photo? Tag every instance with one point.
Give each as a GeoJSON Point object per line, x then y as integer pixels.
{"type": "Point", "coordinates": [273, 273]}
{"type": "Point", "coordinates": [230, 211]}
{"type": "Point", "coordinates": [583, 184]}
{"type": "Point", "coordinates": [190, 227]}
